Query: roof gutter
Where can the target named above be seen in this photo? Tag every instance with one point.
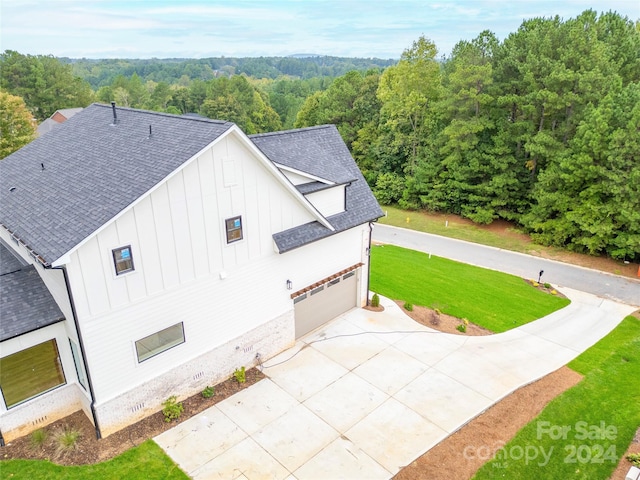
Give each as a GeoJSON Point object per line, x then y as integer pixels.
{"type": "Point", "coordinates": [82, 351]}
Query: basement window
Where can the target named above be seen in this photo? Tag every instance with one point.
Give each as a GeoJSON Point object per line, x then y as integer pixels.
{"type": "Point", "coordinates": [160, 342]}
{"type": "Point", "coordinates": [123, 260]}
{"type": "Point", "coordinates": [234, 229]}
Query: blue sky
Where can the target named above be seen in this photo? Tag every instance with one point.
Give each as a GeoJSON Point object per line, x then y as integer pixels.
{"type": "Point", "coordinates": [211, 28]}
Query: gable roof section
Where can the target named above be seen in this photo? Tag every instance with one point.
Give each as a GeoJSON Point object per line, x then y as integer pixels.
{"type": "Point", "coordinates": [68, 112]}
{"type": "Point", "coordinates": [25, 302]}
{"type": "Point", "coordinates": [314, 150]}
{"type": "Point", "coordinates": [59, 189]}
{"type": "Point", "coordinates": [320, 151]}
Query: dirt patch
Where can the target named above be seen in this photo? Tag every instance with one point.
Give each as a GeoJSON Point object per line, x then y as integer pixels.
{"type": "Point", "coordinates": [441, 321]}
{"type": "Point", "coordinates": [492, 429]}
{"type": "Point", "coordinates": [90, 450]}
{"type": "Point", "coordinates": [379, 308]}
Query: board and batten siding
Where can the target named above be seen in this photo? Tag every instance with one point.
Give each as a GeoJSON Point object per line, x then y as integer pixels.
{"type": "Point", "coordinates": [329, 201]}
{"type": "Point", "coordinates": [186, 272]}
{"type": "Point", "coordinates": [177, 232]}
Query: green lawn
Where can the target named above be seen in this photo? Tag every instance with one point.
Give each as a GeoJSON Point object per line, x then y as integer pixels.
{"type": "Point", "coordinates": [605, 405]}
{"type": "Point", "coordinates": [144, 462]}
{"type": "Point", "coordinates": [455, 229]}
{"type": "Point", "coordinates": [493, 300]}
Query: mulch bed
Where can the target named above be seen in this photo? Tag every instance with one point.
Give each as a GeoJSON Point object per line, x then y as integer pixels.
{"type": "Point", "coordinates": [442, 322]}
{"type": "Point", "coordinates": [90, 450]}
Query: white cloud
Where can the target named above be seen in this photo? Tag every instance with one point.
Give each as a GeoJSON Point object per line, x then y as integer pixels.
{"type": "Point", "coordinates": [197, 28]}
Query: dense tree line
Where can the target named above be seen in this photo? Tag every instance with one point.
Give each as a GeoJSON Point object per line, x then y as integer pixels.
{"type": "Point", "coordinates": [103, 72]}
{"type": "Point", "coordinates": [45, 84]}
{"type": "Point", "coordinates": [542, 128]}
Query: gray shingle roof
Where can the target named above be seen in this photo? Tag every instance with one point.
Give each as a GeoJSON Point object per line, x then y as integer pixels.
{"type": "Point", "coordinates": [25, 303]}
{"type": "Point", "coordinates": [312, 187]}
{"type": "Point", "coordinates": [314, 150]}
{"type": "Point", "coordinates": [68, 112]}
{"type": "Point", "coordinates": [92, 171]}
{"type": "Point", "coordinates": [8, 261]}
{"type": "Point", "coordinates": [321, 152]}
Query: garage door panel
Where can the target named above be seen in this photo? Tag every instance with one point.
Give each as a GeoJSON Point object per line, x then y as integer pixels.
{"type": "Point", "coordinates": [323, 303]}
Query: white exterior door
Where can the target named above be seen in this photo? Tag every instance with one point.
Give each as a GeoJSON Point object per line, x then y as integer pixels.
{"type": "Point", "coordinates": [325, 302]}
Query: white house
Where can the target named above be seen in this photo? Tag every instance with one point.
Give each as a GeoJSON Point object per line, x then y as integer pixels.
{"type": "Point", "coordinates": [145, 255]}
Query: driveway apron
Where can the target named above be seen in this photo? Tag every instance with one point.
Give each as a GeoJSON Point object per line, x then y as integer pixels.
{"type": "Point", "coordinates": [368, 393]}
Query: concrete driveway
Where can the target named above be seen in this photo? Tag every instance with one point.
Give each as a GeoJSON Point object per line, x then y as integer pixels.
{"type": "Point", "coordinates": [369, 392]}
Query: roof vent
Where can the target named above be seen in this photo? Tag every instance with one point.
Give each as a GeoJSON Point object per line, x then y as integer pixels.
{"type": "Point", "coordinates": [149, 131]}
{"type": "Point", "coordinates": [115, 115]}
{"type": "Point", "coordinates": [42, 166]}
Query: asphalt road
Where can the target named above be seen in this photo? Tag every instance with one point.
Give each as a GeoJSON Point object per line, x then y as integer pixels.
{"type": "Point", "coordinates": [621, 289]}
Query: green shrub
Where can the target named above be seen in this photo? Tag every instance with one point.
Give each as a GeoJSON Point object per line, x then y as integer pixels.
{"type": "Point", "coordinates": [240, 375]}
{"type": "Point", "coordinates": [375, 300]}
{"type": "Point", "coordinates": [462, 328]}
{"type": "Point", "coordinates": [547, 285]}
{"type": "Point", "coordinates": [408, 306]}
{"type": "Point", "coordinates": [634, 458]}
{"type": "Point", "coordinates": [66, 439]}
{"type": "Point", "coordinates": [208, 392]}
{"type": "Point", "coordinates": [172, 409]}
{"type": "Point", "coordinates": [38, 438]}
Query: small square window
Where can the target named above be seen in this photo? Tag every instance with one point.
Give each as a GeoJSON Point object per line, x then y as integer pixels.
{"type": "Point", "coordinates": [123, 260]}
{"type": "Point", "coordinates": [234, 229]}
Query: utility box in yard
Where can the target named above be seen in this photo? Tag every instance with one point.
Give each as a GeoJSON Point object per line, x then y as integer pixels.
{"type": "Point", "coordinates": [633, 474]}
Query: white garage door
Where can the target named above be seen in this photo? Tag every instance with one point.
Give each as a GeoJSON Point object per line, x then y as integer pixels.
{"type": "Point", "coordinates": [325, 302]}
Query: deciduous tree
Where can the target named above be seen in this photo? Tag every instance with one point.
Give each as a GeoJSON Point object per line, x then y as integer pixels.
{"type": "Point", "coordinates": [17, 127]}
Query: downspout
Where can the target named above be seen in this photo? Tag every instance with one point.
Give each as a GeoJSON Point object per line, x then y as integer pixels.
{"type": "Point", "coordinates": [84, 357]}
{"type": "Point", "coordinates": [369, 261]}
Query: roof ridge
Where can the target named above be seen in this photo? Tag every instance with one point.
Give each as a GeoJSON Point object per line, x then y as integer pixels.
{"type": "Point", "coordinates": [165, 114]}
{"type": "Point", "coordinates": [293, 130]}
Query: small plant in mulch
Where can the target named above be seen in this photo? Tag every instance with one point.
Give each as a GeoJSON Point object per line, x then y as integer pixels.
{"type": "Point", "coordinates": [462, 328]}
{"type": "Point", "coordinates": [375, 300]}
{"type": "Point", "coordinates": [435, 317]}
{"type": "Point", "coordinates": [634, 458]}
{"type": "Point", "coordinates": [408, 306]}
{"type": "Point", "coordinates": [65, 439]}
{"type": "Point", "coordinates": [208, 392]}
{"type": "Point", "coordinates": [544, 287]}
{"type": "Point", "coordinates": [37, 438]}
{"type": "Point", "coordinates": [240, 375]}
{"type": "Point", "coordinates": [172, 409]}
